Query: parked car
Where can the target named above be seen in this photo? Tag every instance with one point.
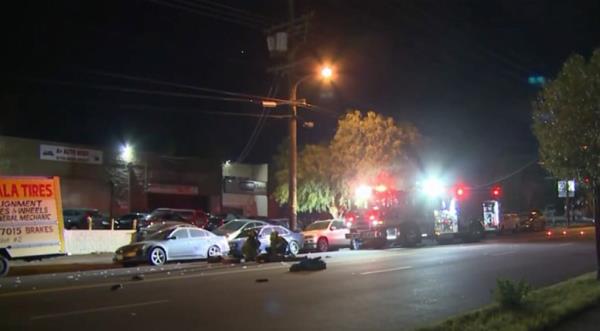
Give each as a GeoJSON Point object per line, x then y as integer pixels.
{"type": "Point", "coordinates": [295, 240]}
{"type": "Point", "coordinates": [126, 221]}
{"type": "Point", "coordinates": [535, 222]}
{"type": "Point", "coordinates": [324, 235]}
{"type": "Point", "coordinates": [191, 216]}
{"type": "Point", "coordinates": [172, 244]}
{"type": "Point", "coordinates": [77, 218]}
{"type": "Point", "coordinates": [232, 229]}
{"type": "Point", "coordinates": [509, 222]}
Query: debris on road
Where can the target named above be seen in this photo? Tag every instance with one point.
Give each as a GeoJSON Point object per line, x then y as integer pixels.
{"type": "Point", "coordinates": [116, 287]}
{"type": "Point", "coordinates": [262, 280]}
{"type": "Point", "coordinates": [138, 277]}
{"type": "Point", "coordinates": [307, 264]}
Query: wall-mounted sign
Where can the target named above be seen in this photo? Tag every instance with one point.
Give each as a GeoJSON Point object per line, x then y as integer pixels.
{"type": "Point", "coordinates": [172, 189]}
{"type": "Point", "coordinates": [566, 188]}
{"type": "Point", "coordinates": [244, 186]}
{"type": "Point", "coordinates": [70, 154]}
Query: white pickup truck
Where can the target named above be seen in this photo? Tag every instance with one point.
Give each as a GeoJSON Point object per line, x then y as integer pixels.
{"type": "Point", "coordinates": [31, 224]}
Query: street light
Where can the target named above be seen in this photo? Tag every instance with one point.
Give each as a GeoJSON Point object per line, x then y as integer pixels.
{"type": "Point", "coordinates": [126, 153]}
{"type": "Point", "coordinates": [326, 73]}
{"type": "Point", "coordinates": [433, 187]}
{"type": "Point", "coordinates": [127, 156]}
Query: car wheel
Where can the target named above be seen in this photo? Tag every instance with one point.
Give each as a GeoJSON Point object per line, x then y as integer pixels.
{"type": "Point", "coordinates": [157, 256]}
{"type": "Point", "coordinates": [213, 251]}
{"type": "Point", "coordinates": [411, 235]}
{"type": "Point", "coordinates": [3, 266]}
{"type": "Point", "coordinates": [294, 247]}
{"type": "Point", "coordinates": [322, 245]}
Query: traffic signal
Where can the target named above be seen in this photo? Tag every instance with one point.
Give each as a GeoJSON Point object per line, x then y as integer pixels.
{"type": "Point", "coordinates": [496, 191]}
{"type": "Point", "coordinates": [460, 191]}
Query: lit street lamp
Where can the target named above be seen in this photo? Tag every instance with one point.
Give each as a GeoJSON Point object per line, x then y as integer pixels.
{"type": "Point", "coordinates": [127, 156]}
{"type": "Point", "coordinates": [326, 74]}
{"type": "Point", "coordinates": [126, 153]}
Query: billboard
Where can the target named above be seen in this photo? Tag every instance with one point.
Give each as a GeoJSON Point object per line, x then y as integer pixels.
{"type": "Point", "coordinates": [31, 221]}
{"type": "Point", "coordinates": [70, 154]}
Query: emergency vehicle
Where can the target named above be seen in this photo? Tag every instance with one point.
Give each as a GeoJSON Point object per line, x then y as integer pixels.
{"type": "Point", "coordinates": [389, 216]}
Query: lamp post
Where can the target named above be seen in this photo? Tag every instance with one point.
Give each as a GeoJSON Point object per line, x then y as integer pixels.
{"type": "Point", "coordinates": [127, 156]}
{"type": "Point", "coordinates": [326, 73]}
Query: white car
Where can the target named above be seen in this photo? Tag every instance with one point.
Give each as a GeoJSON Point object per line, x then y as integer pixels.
{"type": "Point", "coordinates": [232, 229]}
{"type": "Point", "coordinates": [172, 244]}
{"type": "Point", "coordinates": [323, 235]}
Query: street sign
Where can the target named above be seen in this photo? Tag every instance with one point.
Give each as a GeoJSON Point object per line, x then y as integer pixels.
{"type": "Point", "coordinates": [566, 188]}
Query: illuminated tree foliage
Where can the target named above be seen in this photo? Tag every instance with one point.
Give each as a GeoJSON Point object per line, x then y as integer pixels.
{"type": "Point", "coordinates": [362, 147]}
{"type": "Point", "coordinates": [566, 120]}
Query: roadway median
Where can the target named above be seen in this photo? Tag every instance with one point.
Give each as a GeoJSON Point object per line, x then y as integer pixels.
{"type": "Point", "coordinates": [542, 309]}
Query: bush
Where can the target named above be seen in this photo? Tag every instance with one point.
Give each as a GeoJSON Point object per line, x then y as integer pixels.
{"type": "Point", "coordinates": [511, 294]}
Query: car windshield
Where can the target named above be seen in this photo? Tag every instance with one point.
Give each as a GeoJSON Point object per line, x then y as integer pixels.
{"type": "Point", "coordinates": [246, 233]}
{"type": "Point", "coordinates": [318, 226]}
{"type": "Point", "coordinates": [232, 226]}
{"type": "Point", "coordinates": [160, 235]}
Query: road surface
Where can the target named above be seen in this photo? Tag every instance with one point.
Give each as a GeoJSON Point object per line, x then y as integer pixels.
{"type": "Point", "coordinates": [393, 289]}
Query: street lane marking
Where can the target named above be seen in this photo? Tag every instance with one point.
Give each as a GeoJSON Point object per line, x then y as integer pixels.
{"type": "Point", "coordinates": [503, 253]}
{"type": "Point", "coordinates": [564, 244]}
{"type": "Point", "coordinates": [384, 270]}
{"type": "Point", "coordinates": [145, 281]}
{"type": "Point", "coordinates": [96, 310]}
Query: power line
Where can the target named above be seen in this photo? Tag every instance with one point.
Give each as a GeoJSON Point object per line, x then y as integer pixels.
{"type": "Point", "coordinates": [222, 12]}
{"type": "Point", "coordinates": [241, 11]}
{"type": "Point", "coordinates": [244, 98]}
{"type": "Point", "coordinates": [259, 125]}
{"type": "Point", "coordinates": [212, 90]}
{"type": "Point", "coordinates": [145, 91]}
{"type": "Point", "coordinates": [208, 112]}
{"type": "Point", "coordinates": [182, 86]}
{"type": "Point", "coordinates": [505, 177]}
{"type": "Point", "coordinates": [202, 13]}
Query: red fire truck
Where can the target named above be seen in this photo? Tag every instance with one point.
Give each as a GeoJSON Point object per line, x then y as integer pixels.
{"type": "Point", "coordinates": [389, 216]}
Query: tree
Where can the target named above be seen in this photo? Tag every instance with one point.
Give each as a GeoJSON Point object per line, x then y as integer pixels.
{"type": "Point", "coordinates": [566, 122]}
{"type": "Point", "coordinates": [366, 145]}
{"type": "Point", "coordinates": [362, 147]}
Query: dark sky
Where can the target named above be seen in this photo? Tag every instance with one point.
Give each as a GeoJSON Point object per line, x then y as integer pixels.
{"type": "Point", "coordinates": [457, 69]}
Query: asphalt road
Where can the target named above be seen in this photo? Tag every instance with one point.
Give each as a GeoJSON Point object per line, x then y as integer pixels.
{"type": "Point", "coordinates": [393, 289]}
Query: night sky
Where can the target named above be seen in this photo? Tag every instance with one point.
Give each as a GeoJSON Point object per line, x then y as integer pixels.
{"type": "Point", "coordinates": [457, 69]}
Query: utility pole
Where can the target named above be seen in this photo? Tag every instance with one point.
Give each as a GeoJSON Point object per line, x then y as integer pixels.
{"type": "Point", "coordinates": [284, 40]}
{"type": "Point", "coordinates": [293, 182]}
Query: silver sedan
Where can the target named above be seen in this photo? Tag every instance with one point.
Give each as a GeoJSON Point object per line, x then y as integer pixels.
{"type": "Point", "coordinates": [171, 244]}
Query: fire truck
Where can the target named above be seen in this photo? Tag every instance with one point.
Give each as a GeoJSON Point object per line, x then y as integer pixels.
{"type": "Point", "coordinates": [404, 217]}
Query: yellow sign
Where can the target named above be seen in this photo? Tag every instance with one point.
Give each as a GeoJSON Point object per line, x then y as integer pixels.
{"type": "Point", "coordinates": [31, 222]}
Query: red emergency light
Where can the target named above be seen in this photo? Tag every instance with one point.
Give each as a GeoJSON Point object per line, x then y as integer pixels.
{"type": "Point", "coordinates": [496, 191]}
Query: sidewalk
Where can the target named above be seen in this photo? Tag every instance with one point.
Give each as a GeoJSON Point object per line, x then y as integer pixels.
{"type": "Point", "coordinates": [588, 320]}
{"type": "Point", "coordinates": [62, 264]}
